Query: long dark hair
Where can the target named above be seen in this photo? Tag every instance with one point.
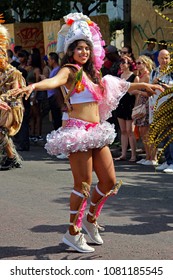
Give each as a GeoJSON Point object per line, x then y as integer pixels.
{"type": "Point", "coordinates": [88, 67]}
{"type": "Point", "coordinates": [36, 60]}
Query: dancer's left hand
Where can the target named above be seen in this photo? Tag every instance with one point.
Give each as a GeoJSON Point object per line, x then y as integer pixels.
{"type": "Point", "coordinates": [151, 88]}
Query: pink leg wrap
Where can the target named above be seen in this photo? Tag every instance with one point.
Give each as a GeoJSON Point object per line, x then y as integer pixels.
{"type": "Point", "coordinates": [99, 205]}
{"type": "Point", "coordinates": [79, 213]}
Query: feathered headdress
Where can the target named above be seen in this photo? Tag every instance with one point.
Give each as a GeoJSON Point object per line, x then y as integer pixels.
{"type": "Point", "coordinates": [79, 27]}
{"type": "Point", "coordinates": [4, 35]}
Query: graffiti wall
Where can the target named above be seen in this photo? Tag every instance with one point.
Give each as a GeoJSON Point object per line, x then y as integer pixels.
{"type": "Point", "coordinates": [146, 23]}
{"type": "Point", "coordinates": [50, 30]}
{"type": "Point", "coordinates": [28, 35]}
{"type": "Point", "coordinates": [44, 35]}
{"type": "Point", "coordinates": [103, 23]}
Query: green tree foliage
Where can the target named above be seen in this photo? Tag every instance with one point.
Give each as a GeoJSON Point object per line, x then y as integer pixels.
{"type": "Point", "coordinates": [88, 6]}
{"type": "Point", "coordinates": [42, 10]}
{"type": "Point", "coordinates": [33, 10]}
{"type": "Point", "coordinates": [117, 24]}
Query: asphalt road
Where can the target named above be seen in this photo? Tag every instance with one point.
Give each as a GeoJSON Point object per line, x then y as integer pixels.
{"type": "Point", "coordinates": [34, 212]}
{"type": "Point", "coordinates": [34, 209]}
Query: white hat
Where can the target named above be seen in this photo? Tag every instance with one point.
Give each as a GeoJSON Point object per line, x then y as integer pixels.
{"type": "Point", "coordinates": [80, 27]}
{"type": "Point", "coordinates": [79, 30]}
{"type": "Point", "coordinates": [61, 38]}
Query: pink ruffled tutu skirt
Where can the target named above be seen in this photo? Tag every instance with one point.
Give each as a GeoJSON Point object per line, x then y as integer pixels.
{"type": "Point", "coordinates": [79, 135]}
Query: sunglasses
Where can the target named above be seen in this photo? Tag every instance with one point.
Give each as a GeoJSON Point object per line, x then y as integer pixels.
{"type": "Point", "coordinates": [139, 62]}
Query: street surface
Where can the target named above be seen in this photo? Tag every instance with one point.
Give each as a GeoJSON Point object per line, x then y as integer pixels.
{"type": "Point", "coordinates": [34, 212]}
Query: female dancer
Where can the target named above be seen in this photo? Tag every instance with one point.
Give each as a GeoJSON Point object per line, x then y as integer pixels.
{"type": "Point", "coordinates": [86, 135]}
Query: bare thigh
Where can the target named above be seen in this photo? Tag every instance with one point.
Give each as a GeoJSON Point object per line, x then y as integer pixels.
{"type": "Point", "coordinates": [81, 166]}
{"type": "Point", "coordinates": [104, 167]}
{"type": "Point", "coordinates": [129, 127]}
{"type": "Point", "coordinates": [122, 124]}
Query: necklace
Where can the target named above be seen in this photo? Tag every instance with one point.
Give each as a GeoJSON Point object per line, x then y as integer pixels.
{"type": "Point", "coordinates": [142, 75]}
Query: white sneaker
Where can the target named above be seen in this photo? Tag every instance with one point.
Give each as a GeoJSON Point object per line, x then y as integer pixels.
{"type": "Point", "coordinates": [150, 162]}
{"type": "Point", "coordinates": [161, 167]}
{"type": "Point", "coordinates": [61, 156]}
{"type": "Point", "coordinates": [155, 162]}
{"type": "Point", "coordinates": [141, 161]}
{"type": "Point", "coordinates": [77, 242]}
{"type": "Point", "coordinates": [169, 169]}
{"type": "Point", "coordinates": [92, 231]}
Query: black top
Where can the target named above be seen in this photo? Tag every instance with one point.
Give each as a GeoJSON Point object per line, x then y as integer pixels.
{"type": "Point", "coordinates": [126, 104]}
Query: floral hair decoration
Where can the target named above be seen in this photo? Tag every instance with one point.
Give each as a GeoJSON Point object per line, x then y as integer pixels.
{"type": "Point", "coordinates": [79, 27]}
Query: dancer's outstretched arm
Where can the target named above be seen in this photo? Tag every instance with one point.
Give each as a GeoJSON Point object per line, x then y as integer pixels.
{"type": "Point", "coordinates": [150, 88]}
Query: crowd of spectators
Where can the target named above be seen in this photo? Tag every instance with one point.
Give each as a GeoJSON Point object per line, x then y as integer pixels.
{"type": "Point", "coordinates": [34, 67]}
{"type": "Point", "coordinates": [146, 68]}
{"type": "Point", "coordinates": [120, 63]}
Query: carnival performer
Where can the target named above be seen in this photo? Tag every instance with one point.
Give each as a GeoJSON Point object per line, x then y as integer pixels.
{"type": "Point", "coordinates": [86, 135]}
{"type": "Point", "coordinates": [11, 107]}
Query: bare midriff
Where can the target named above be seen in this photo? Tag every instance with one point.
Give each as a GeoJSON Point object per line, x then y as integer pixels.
{"type": "Point", "coordinates": [88, 112]}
